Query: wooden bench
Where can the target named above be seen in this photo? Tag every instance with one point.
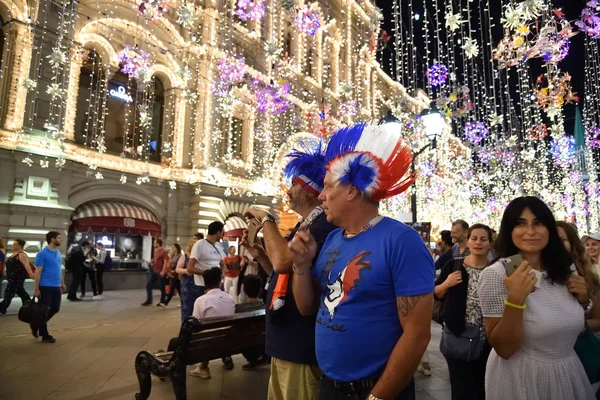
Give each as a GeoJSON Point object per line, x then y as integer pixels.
{"type": "Point", "coordinates": [200, 341]}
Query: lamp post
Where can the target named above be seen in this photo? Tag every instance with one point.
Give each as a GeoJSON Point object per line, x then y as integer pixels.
{"type": "Point", "coordinates": [433, 123]}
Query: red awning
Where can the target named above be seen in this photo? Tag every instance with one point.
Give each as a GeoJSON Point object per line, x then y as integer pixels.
{"type": "Point", "coordinates": [114, 217]}
{"type": "Point", "coordinates": [235, 227]}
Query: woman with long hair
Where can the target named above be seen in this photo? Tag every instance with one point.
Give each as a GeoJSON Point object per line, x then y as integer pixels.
{"type": "Point", "coordinates": [171, 277]}
{"type": "Point", "coordinates": [534, 314]}
{"type": "Point", "coordinates": [189, 291]}
{"type": "Point", "coordinates": [17, 270]}
{"type": "Point", "coordinates": [457, 286]}
{"type": "Point", "coordinates": [570, 239]}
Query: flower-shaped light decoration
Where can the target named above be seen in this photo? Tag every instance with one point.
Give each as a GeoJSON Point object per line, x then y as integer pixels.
{"type": "Point", "coordinates": [593, 137]}
{"type": "Point", "coordinates": [253, 10]}
{"type": "Point", "coordinates": [437, 75]}
{"type": "Point", "coordinates": [512, 18]}
{"type": "Point", "coordinates": [153, 9]}
{"type": "Point", "coordinates": [190, 96]}
{"type": "Point", "coordinates": [589, 22]}
{"type": "Point", "coordinates": [271, 98]}
{"type": "Point", "coordinates": [135, 63]}
{"type": "Point", "coordinates": [27, 160]}
{"type": "Point", "coordinates": [345, 89]}
{"type": "Point", "coordinates": [426, 168]}
{"type": "Point", "coordinates": [123, 178]}
{"type": "Point", "coordinates": [476, 132]}
{"type": "Point", "coordinates": [453, 21]}
{"type": "Point", "coordinates": [538, 132]}
{"type": "Point", "coordinates": [145, 116]}
{"type": "Point", "coordinates": [230, 71]}
{"type": "Point", "coordinates": [308, 20]}
{"type": "Point", "coordinates": [531, 9]}
{"type": "Point", "coordinates": [186, 15]}
{"type": "Point", "coordinates": [471, 48]}
{"type": "Point", "coordinates": [495, 119]}
{"type": "Point", "coordinates": [57, 58]}
{"type": "Point", "coordinates": [184, 73]}
{"type": "Point", "coordinates": [563, 151]}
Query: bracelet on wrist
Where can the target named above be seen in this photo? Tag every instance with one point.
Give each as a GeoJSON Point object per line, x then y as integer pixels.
{"type": "Point", "coordinates": [267, 218]}
{"type": "Point", "coordinates": [513, 305]}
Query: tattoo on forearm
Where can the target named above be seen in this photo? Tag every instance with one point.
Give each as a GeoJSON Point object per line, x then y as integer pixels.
{"type": "Point", "coordinates": [407, 304]}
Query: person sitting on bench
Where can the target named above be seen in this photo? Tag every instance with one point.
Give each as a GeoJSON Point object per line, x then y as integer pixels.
{"type": "Point", "coordinates": [252, 286]}
{"type": "Point", "coordinates": [214, 303]}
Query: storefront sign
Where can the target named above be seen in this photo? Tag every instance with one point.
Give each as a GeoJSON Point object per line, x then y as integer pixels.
{"type": "Point", "coordinates": [120, 93]}
{"type": "Point", "coordinates": [129, 222]}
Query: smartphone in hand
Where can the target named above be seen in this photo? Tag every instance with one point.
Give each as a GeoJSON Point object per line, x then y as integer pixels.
{"type": "Point", "coordinates": [511, 263]}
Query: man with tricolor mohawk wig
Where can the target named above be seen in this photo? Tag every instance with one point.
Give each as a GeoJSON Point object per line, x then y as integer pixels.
{"type": "Point", "coordinates": [372, 284]}
{"type": "Point", "coordinates": [291, 336]}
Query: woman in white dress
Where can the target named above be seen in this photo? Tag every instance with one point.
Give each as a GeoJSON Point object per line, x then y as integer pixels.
{"type": "Point", "coordinates": [533, 317]}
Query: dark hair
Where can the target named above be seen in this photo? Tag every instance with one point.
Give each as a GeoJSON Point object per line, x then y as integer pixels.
{"type": "Point", "coordinates": [446, 237]}
{"type": "Point", "coordinates": [178, 247]}
{"type": "Point", "coordinates": [21, 242]}
{"type": "Point", "coordinates": [215, 228]}
{"type": "Point", "coordinates": [159, 241]}
{"type": "Point", "coordinates": [581, 260]}
{"type": "Point", "coordinates": [463, 224]}
{"type": "Point", "coordinates": [252, 285]}
{"type": "Point", "coordinates": [51, 235]}
{"type": "Point", "coordinates": [555, 258]}
{"type": "Point", "coordinates": [480, 226]}
{"type": "Point", "coordinates": [212, 278]}
{"type": "Point", "coordinates": [199, 235]}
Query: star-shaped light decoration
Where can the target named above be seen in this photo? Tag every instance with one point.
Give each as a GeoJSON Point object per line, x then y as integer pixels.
{"type": "Point", "coordinates": [123, 179]}
{"type": "Point", "coordinates": [184, 73]}
{"type": "Point", "coordinates": [99, 175]}
{"type": "Point", "coordinates": [44, 163]}
{"type": "Point", "coordinates": [56, 91]}
{"type": "Point", "coordinates": [172, 185]}
{"type": "Point", "coordinates": [190, 96]}
{"type": "Point", "coordinates": [272, 51]}
{"type": "Point", "coordinates": [496, 119]}
{"type": "Point", "coordinates": [185, 15]}
{"type": "Point", "coordinates": [27, 160]}
{"type": "Point", "coordinates": [60, 162]}
{"type": "Point", "coordinates": [29, 84]}
{"type": "Point", "coordinates": [512, 18]}
{"type": "Point", "coordinates": [471, 48]}
{"type": "Point", "coordinates": [57, 57]}
{"type": "Point", "coordinates": [145, 116]}
{"type": "Point", "coordinates": [531, 9]}
{"type": "Point", "coordinates": [453, 21]}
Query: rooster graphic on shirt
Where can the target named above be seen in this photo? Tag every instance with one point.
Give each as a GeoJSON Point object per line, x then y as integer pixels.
{"type": "Point", "coordinates": [346, 280]}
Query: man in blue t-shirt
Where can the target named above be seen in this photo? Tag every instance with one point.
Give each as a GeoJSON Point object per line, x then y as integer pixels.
{"type": "Point", "coordinates": [49, 283]}
{"type": "Point", "coordinates": [372, 284]}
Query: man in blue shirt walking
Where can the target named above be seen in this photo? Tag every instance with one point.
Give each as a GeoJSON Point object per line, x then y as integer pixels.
{"type": "Point", "coordinates": [49, 283]}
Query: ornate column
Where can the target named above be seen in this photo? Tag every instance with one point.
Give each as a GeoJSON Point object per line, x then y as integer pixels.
{"type": "Point", "coordinates": [19, 38]}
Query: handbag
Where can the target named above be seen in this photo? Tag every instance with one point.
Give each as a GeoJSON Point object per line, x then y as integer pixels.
{"type": "Point", "coordinates": [465, 347]}
{"type": "Point", "coordinates": [587, 348]}
{"type": "Point", "coordinates": [437, 314]}
{"type": "Point", "coordinates": [33, 312]}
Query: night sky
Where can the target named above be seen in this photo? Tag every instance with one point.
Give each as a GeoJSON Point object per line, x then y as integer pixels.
{"type": "Point", "coordinates": [573, 63]}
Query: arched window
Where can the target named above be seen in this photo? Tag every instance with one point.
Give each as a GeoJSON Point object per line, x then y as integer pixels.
{"type": "Point", "coordinates": [90, 104]}
{"type": "Point", "coordinates": [120, 103]}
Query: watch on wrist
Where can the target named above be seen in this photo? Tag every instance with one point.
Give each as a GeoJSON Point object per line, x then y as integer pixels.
{"type": "Point", "coordinates": [371, 397]}
{"type": "Point", "coordinates": [267, 218]}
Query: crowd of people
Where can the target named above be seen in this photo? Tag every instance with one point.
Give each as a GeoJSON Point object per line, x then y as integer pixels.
{"type": "Point", "coordinates": [349, 294]}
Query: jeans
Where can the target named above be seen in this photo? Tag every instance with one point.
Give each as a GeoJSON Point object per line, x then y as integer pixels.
{"type": "Point", "coordinates": [100, 278]}
{"type": "Point", "coordinates": [50, 297]}
{"type": "Point", "coordinates": [154, 277]}
{"type": "Point", "coordinates": [327, 391]}
{"type": "Point", "coordinates": [467, 379]}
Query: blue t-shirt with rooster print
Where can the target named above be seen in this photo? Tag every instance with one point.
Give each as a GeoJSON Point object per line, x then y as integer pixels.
{"type": "Point", "coordinates": [360, 278]}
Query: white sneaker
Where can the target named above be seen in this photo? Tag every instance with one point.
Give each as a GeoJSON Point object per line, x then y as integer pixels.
{"type": "Point", "coordinates": [96, 298]}
{"type": "Point", "coordinates": [163, 305]}
{"type": "Point", "coordinates": [100, 297]}
{"type": "Point", "coordinates": [200, 373]}
{"type": "Point", "coordinates": [82, 297]}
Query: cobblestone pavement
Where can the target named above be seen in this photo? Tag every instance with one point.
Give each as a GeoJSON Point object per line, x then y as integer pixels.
{"type": "Point", "coordinates": [97, 342]}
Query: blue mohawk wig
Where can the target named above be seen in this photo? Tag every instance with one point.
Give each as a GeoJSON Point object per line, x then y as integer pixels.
{"type": "Point", "coordinates": [307, 166]}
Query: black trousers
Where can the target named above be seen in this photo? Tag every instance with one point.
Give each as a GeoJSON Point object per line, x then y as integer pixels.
{"type": "Point", "coordinates": [467, 379]}
{"type": "Point", "coordinates": [49, 296]}
{"type": "Point", "coordinates": [92, 274]}
{"type": "Point", "coordinates": [77, 272]}
{"type": "Point", "coordinates": [328, 391]}
{"type": "Point", "coordinates": [16, 279]}
{"type": "Point", "coordinates": [100, 278]}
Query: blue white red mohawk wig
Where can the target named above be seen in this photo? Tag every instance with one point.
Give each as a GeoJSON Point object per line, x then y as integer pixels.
{"type": "Point", "coordinates": [371, 157]}
{"type": "Point", "coordinates": [307, 167]}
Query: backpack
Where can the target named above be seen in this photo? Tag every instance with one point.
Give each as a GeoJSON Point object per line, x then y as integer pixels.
{"type": "Point", "coordinates": [108, 263]}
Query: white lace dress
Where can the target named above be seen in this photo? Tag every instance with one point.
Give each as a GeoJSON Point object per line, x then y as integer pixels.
{"type": "Point", "coordinates": [545, 367]}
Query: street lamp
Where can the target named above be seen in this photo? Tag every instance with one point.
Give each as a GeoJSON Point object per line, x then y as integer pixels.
{"type": "Point", "coordinates": [433, 123]}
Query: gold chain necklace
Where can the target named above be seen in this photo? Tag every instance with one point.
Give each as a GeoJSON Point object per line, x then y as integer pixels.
{"type": "Point", "coordinates": [365, 228]}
